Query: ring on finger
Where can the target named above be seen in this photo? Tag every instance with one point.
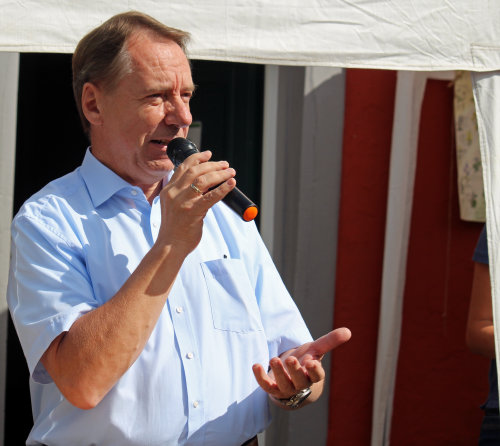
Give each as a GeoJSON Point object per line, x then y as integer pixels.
{"type": "Point", "coordinates": [196, 189]}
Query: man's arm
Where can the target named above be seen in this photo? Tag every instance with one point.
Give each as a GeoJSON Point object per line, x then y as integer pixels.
{"type": "Point", "coordinates": [88, 360]}
{"type": "Point", "coordinates": [299, 368]}
{"type": "Point", "coordinates": [480, 336]}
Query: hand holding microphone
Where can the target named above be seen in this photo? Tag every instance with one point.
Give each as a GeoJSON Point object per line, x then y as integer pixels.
{"type": "Point", "coordinates": [180, 148]}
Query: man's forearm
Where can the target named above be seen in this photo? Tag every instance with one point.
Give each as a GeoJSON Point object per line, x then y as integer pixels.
{"type": "Point", "coordinates": [88, 360]}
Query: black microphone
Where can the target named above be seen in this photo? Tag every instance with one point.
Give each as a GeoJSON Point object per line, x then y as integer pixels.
{"type": "Point", "coordinates": [180, 148]}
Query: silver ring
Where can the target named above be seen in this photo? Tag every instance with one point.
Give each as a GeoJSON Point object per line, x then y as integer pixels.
{"type": "Point", "coordinates": [196, 189]}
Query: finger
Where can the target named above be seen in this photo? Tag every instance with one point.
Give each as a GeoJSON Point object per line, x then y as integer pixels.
{"type": "Point", "coordinates": [195, 159]}
{"type": "Point", "coordinates": [282, 378]}
{"type": "Point", "coordinates": [213, 178]}
{"type": "Point", "coordinates": [194, 181]}
{"type": "Point", "coordinates": [315, 370]}
{"type": "Point", "coordinates": [213, 196]}
{"type": "Point", "coordinates": [328, 342]}
{"type": "Point", "coordinates": [186, 174]}
{"type": "Point", "coordinates": [196, 165]}
{"type": "Point", "coordinates": [307, 357]}
{"type": "Point", "coordinates": [298, 374]}
{"type": "Point", "coordinates": [264, 380]}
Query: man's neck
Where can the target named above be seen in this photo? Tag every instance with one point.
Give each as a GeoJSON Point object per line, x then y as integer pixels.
{"type": "Point", "coordinates": [152, 190]}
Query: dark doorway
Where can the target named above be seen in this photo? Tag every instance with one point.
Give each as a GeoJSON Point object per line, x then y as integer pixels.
{"type": "Point", "coordinates": [50, 143]}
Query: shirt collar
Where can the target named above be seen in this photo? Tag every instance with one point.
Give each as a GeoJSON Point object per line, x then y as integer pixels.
{"type": "Point", "coordinates": [102, 183]}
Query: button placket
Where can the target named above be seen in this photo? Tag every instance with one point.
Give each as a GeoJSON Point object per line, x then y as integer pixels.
{"type": "Point", "coordinates": [155, 218]}
{"type": "Point", "coordinates": [190, 359]}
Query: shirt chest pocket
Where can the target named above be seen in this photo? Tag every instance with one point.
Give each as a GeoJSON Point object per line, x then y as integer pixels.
{"type": "Point", "coordinates": [232, 299]}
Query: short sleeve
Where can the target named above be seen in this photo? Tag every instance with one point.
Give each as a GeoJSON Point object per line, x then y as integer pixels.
{"type": "Point", "coordinates": [48, 290]}
{"type": "Point", "coordinates": [481, 252]}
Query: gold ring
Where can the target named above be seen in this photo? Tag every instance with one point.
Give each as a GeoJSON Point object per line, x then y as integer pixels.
{"type": "Point", "coordinates": [196, 189]}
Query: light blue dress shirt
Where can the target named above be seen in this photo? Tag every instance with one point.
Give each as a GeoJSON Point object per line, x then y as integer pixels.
{"type": "Point", "coordinates": [75, 243]}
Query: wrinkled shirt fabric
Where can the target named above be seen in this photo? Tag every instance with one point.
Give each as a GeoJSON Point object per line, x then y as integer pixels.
{"type": "Point", "coordinates": [75, 243]}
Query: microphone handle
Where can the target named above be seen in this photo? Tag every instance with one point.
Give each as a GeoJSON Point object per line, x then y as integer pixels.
{"type": "Point", "coordinates": [241, 204]}
{"type": "Point", "coordinates": [180, 148]}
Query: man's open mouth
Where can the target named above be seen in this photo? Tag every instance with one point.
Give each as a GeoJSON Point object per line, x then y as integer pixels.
{"type": "Point", "coordinates": [161, 142]}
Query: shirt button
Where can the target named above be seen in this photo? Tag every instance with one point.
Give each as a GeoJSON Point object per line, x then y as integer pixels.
{"type": "Point", "coordinates": [133, 192]}
{"type": "Point", "coordinates": [190, 355]}
{"type": "Point", "coordinates": [179, 310]}
{"type": "Point", "coordinates": [155, 225]}
{"type": "Point", "coordinates": [196, 404]}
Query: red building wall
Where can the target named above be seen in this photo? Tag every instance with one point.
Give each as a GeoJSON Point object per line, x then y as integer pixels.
{"type": "Point", "coordinates": [369, 106]}
{"type": "Point", "coordinates": [439, 384]}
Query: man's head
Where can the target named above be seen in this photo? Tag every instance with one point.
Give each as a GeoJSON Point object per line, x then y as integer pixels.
{"type": "Point", "coordinates": [102, 56]}
{"type": "Point", "coordinates": [133, 85]}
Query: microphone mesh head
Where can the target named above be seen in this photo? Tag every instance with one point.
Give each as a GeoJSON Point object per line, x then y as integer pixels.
{"type": "Point", "coordinates": [179, 149]}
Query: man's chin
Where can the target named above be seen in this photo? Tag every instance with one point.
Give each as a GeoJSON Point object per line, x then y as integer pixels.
{"type": "Point", "coordinates": [164, 165]}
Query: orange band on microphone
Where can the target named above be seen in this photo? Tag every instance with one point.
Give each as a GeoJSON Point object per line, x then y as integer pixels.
{"type": "Point", "coordinates": [250, 213]}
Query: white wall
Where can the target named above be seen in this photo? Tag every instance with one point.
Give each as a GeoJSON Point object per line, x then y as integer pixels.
{"type": "Point", "coordinates": [9, 72]}
{"type": "Point", "coordinates": [306, 179]}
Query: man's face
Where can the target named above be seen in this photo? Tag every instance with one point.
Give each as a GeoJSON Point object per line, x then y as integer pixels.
{"type": "Point", "coordinates": [145, 111]}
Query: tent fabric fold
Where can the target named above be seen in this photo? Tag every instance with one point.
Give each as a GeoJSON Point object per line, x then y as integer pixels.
{"type": "Point", "coordinates": [486, 90]}
{"type": "Point", "coordinates": [420, 35]}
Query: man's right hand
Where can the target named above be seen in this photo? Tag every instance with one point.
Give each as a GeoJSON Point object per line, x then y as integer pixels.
{"type": "Point", "coordinates": [183, 207]}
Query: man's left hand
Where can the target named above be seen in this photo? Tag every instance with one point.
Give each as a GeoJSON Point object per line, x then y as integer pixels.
{"type": "Point", "coordinates": [299, 368]}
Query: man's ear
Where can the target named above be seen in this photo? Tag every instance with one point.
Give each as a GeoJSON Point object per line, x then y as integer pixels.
{"type": "Point", "coordinates": [91, 98]}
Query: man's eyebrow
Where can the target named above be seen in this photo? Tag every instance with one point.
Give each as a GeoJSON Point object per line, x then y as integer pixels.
{"type": "Point", "coordinates": [151, 90]}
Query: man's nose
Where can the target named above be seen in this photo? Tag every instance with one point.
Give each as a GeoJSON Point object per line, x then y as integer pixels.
{"type": "Point", "coordinates": [178, 113]}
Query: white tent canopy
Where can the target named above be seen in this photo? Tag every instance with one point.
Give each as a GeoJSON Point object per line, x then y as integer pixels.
{"type": "Point", "coordinates": [410, 35]}
{"type": "Point", "coordinates": [414, 35]}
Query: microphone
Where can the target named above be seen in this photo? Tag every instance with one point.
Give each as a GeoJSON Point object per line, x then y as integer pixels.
{"type": "Point", "coordinates": [180, 148]}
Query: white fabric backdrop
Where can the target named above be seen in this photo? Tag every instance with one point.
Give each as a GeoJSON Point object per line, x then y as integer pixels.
{"type": "Point", "coordinates": [486, 96]}
{"type": "Point", "coordinates": [393, 34]}
{"type": "Point", "coordinates": [410, 90]}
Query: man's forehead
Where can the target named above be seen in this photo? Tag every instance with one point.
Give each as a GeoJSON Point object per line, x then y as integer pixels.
{"type": "Point", "coordinates": [141, 39]}
{"type": "Point", "coordinates": [158, 55]}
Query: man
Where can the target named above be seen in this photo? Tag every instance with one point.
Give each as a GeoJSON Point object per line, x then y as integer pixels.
{"type": "Point", "coordinates": [141, 301]}
{"type": "Point", "coordinates": [480, 338]}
